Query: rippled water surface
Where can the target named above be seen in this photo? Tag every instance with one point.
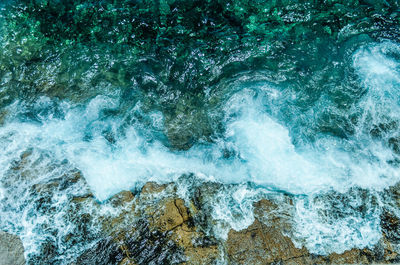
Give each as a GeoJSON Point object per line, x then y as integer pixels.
{"type": "Point", "coordinates": [295, 97]}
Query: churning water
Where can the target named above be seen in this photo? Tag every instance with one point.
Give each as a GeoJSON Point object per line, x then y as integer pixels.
{"type": "Point", "coordinates": [333, 131]}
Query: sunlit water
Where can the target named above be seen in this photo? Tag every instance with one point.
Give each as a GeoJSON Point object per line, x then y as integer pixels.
{"type": "Point", "coordinates": [269, 138]}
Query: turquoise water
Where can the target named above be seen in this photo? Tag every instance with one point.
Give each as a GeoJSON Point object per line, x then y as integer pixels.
{"type": "Point", "coordinates": [290, 96]}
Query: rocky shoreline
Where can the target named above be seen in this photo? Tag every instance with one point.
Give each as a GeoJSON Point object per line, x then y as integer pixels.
{"type": "Point", "coordinates": [171, 222]}
{"type": "Point", "coordinates": [277, 93]}
{"type": "Point", "coordinates": [158, 227]}
{"type": "Point", "coordinates": [160, 224]}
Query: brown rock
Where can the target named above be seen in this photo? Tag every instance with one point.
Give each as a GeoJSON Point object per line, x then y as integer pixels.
{"type": "Point", "coordinates": [259, 244]}
{"type": "Point", "coordinates": [265, 244]}
{"type": "Point", "coordinates": [180, 204]}
{"type": "Point", "coordinates": [390, 225]}
{"type": "Point", "coordinates": [274, 215]}
{"type": "Point", "coordinates": [169, 216]}
{"type": "Point", "coordinates": [193, 209]}
{"type": "Point", "coordinates": [152, 187]}
{"type": "Point", "coordinates": [11, 249]}
{"type": "Point", "coordinates": [183, 235]}
{"type": "Point", "coordinates": [115, 224]}
{"type": "Point", "coordinates": [197, 254]}
{"type": "Point", "coordinates": [122, 198]}
{"type": "Point", "coordinates": [389, 252]}
{"type": "Point", "coordinates": [127, 261]}
{"type": "Point", "coordinates": [353, 256]}
{"type": "Point", "coordinates": [304, 260]}
{"type": "Point", "coordinates": [202, 255]}
{"type": "Point", "coordinates": [84, 199]}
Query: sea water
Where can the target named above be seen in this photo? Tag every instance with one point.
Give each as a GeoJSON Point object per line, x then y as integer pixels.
{"type": "Point", "coordinates": [329, 140]}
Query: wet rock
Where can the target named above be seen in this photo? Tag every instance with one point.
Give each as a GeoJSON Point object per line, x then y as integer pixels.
{"type": "Point", "coordinates": [104, 252]}
{"type": "Point", "coordinates": [354, 256]}
{"type": "Point", "coordinates": [162, 232]}
{"type": "Point", "coordinates": [277, 216]}
{"type": "Point", "coordinates": [127, 261]}
{"type": "Point", "coordinates": [201, 202]}
{"type": "Point", "coordinates": [115, 223]}
{"type": "Point", "coordinates": [259, 244]}
{"type": "Point", "coordinates": [198, 248]}
{"type": "Point", "coordinates": [151, 188]}
{"type": "Point", "coordinates": [388, 251]}
{"type": "Point", "coordinates": [55, 194]}
{"type": "Point", "coordinates": [48, 253]}
{"type": "Point", "coordinates": [394, 193]}
{"type": "Point", "coordinates": [122, 199]}
{"type": "Point", "coordinates": [169, 215]}
{"type": "Point", "coordinates": [394, 143]}
{"type": "Point", "coordinates": [303, 260]}
{"type": "Point", "coordinates": [83, 199]}
{"type": "Point", "coordinates": [165, 230]}
{"type": "Point", "coordinates": [266, 242]}
{"type": "Point", "coordinates": [175, 217]}
{"type": "Point", "coordinates": [3, 116]}
{"type": "Point", "coordinates": [390, 224]}
{"type": "Point", "coordinates": [146, 245]}
{"type": "Point", "coordinates": [19, 170]}
{"type": "Point", "coordinates": [202, 192]}
{"type": "Point", "coordinates": [155, 226]}
{"type": "Point", "coordinates": [389, 244]}
{"type": "Point", "coordinates": [11, 249]}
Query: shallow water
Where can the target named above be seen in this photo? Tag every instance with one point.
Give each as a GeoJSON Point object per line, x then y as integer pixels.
{"type": "Point", "coordinates": [294, 98]}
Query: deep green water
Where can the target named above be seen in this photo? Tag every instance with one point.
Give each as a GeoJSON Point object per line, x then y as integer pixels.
{"type": "Point", "coordinates": [300, 97]}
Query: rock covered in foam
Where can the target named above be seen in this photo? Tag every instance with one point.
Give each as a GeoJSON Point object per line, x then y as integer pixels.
{"type": "Point", "coordinates": [166, 229]}
{"type": "Point", "coordinates": [152, 188]}
{"type": "Point", "coordinates": [261, 243]}
{"type": "Point", "coordinates": [161, 225]}
{"type": "Point", "coordinates": [266, 241]}
{"type": "Point", "coordinates": [11, 249]}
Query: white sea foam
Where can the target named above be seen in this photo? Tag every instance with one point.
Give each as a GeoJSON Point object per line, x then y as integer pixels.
{"type": "Point", "coordinates": [266, 154]}
{"type": "Point", "coordinates": [326, 225]}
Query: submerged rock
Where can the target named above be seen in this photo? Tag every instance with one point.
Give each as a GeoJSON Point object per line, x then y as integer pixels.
{"type": "Point", "coordinates": [11, 249]}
